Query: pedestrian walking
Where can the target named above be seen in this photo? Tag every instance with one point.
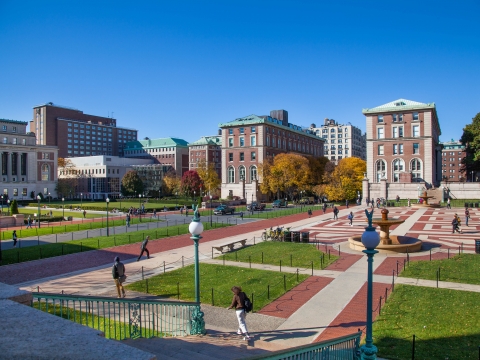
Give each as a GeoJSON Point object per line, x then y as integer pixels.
{"type": "Point", "coordinates": [118, 273]}
{"type": "Point", "coordinates": [335, 213]}
{"type": "Point", "coordinates": [143, 248]}
{"type": "Point", "coordinates": [448, 204]}
{"type": "Point", "coordinates": [467, 216]}
{"type": "Point", "coordinates": [241, 215]}
{"type": "Point", "coordinates": [238, 302]}
{"type": "Point", "coordinates": [181, 210]}
{"type": "Point", "coordinates": [408, 202]}
{"type": "Point", "coordinates": [84, 213]}
{"type": "Point", "coordinates": [14, 237]}
{"type": "Point", "coordinates": [154, 213]}
{"type": "Point", "coordinates": [398, 198]}
{"type": "Point", "coordinates": [127, 219]}
{"type": "Point", "coordinates": [346, 203]}
{"type": "Point", "coordinates": [164, 209]}
{"type": "Point", "coordinates": [455, 224]}
{"type": "Point", "coordinates": [29, 222]}
{"type": "Point", "coordinates": [309, 213]}
{"type": "Point", "coordinates": [350, 217]}
{"type": "Point", "coordinates": [186, 211]}
{"type": "Point", "coordinates": [324, 208]}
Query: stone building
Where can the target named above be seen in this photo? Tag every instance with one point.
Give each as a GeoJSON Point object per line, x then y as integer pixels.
{"type": "Point", "coordinates": [452, 154]}
{"type": "Point", "coordinates": [207, 148]}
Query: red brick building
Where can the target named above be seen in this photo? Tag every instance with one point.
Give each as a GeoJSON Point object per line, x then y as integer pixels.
{"type": "Point", "coordinates": [78, 134]}
{"type": "Point", "coordinates": [248, 141]}
{"type": "Point", "coordinates": [452, 154]}
{"type": "Point", "coordinates": [207, 148]}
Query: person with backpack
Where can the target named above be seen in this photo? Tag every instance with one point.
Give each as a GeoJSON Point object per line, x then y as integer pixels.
{"type": "Point", "coordinates": [14, 238]}
{"type": "Point", "coordinates": [350, 217]}
{"type": "Point", "coordinates": [467, 216]}
{"type": "Point", "coordinates": [455, 224]}
{"type": "Point", "coordinates": [118, 273]}
{"type": "Point", "coordinates": [335, 213]}
{"type": "Point", "coordinates": [240, 302]}
{"type": "Point", "coordinates": [143, 248]}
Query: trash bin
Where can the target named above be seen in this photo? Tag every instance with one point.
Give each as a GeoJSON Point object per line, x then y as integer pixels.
{"type": "Point", "coordinates": [296, 236]}
{"type": "Point", "coordinates": [287, 236]}
{"type": "Point", "coordinates": [471, 205]}
{"type": "Point", "coordinates": [477, 246]}
{"type": "Point", "coordinates": [305, 237]}
{"type": "Point", "coordinates": [476, 205]}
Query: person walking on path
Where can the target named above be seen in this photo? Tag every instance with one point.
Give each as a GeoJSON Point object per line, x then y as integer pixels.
{"type": "Point", "coordinates": [127, 219]}
{"type": "Point", "coordinates": [335, 213]}
{"type": "Point", "coordinates": [84, 213]}
{"type": "Point", "coordinates": [144, 248]}
{"type": "Point", "coordinates": [241, 215]}
{"type": "Point", "coordinates": [14, 237]}
{"type": "Point", "coordinates": [346, 203]}
{"type": "Point", "coordinates": [118, 273]}
{"type": "Point", "coordinates": [238, 302]}
{"type": "Point", "coordinates": [408, 202]}
{"type": "Point", "coordinates": [29, 222]}
{"type": "Point", "coordinates": [309, 213]}
{"type": "Point", "coordinates": [448, 204]}
{"type": "Point", "coordinates": [350, 217]}
{"type": "Point", "coordinates": [398, 198]}
{"type": "Point", "coordinates": [455, 224]}
{"type": "Point", "coordinates": [155, 213]}
{"type": "Point", "coordinates": [459, 221]}
{"type": "Point", "coordinates": [467, 216]}
{"type": "Point", "coordinates": [324, 208]}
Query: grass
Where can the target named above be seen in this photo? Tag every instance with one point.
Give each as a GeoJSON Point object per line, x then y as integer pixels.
{"type": "Point", "coordinates": [75, 214]}
{"type": "Point", "coordinates": [112, 329]}
{"type": "Point", "coordinates": [280, 212]}
{"type": "Point", "coordinates": [45, 229]}
{"type": "Point", "coordinates": [445, 322]}
{"type": "Point", "coordinates": [296, 255]}
{"type": "Point", "coordinates": [30, 253]}
{"type": "Point", "coordinates": [464, 268]}
{"type": "Point", "coordinates": [217, 280]}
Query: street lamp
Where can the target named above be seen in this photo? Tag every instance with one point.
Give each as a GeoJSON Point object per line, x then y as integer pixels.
{"type": "Point", "coordinates": [194, 196]}
{"type": "Point", "coordinates": [196, 228]}
{"type": "Point", "coordinates": [38, 215]}
{"type": "Point", "coordinates": [107, 200]}
{"type": "Point", "coordinates": [140, 206]}
{"type": "Point", "coordinates": [370, 239]}
{"type": "Point", "coordinates": [48, 199]}
{"type": "Point", "coordinates": [211, 209]}
{"type": "Point", "coordinates": [176, 199]}
{"type": "Point", "coordinates": [8, 202]}
{"type": "Point", "coordinates": [63, 208]}
{"type": "Point", "coordinates": [1, 196]}
{"type": "Point", "coordinates": [81, 200]}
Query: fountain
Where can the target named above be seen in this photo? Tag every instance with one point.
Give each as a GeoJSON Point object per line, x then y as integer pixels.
{"type": "Point", "coordinates": [388, 243]}
{"type": "Point", "coordinates": [425, 203]}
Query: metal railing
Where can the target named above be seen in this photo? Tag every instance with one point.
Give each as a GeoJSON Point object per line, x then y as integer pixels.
{"type": "Point", "coordinates": [345, 347]}
{"type": "Point", "coordinates": [125, 318]}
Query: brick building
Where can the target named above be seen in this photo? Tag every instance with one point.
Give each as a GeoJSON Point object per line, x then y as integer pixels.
{"type": "Point", "coordinates": [27, 168]}
{"type": "Point", "coordinates": [209, 149]}
{"type": "Point", "coordinates": [342, 141]}
{"type": "Point", "coordinates": [452, 154]}
{"type": "Point", "coordinates": [78, 134]}
{"type": "Point", "coordinates": [165, 151]}
{"type": "Point", "coordinates": [402, 148]}
{"type": "Point", "coordinates": [248, 141]}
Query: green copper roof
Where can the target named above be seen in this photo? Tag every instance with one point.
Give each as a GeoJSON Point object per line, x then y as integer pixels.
{"type": "Point", "coordinates": [14, 121]}
{"type": "Point", "coordinates": [156, 143]}
{"type": "Point", "coordinates": [247, 120]}
{"type": "Point", "coordinates": [208, 140]}
{"type": "Point", "coordinates": [399, 105]}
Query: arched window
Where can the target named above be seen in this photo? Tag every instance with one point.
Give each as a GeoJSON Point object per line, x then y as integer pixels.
{"type": "Point", "coordinates": [253, 173]}
{"type": "Point", "coordinates": [380, 169]}
{"type": "Point", "coordinates": [416, 169]}
{"type": "Point", "coordinates": [241, 171]}
{"type": "Point", "coordinates": [45, 172]}
{"type": "Point", "coordinates": [231, 174]}
{"type": "Point", "coordinates": [398, 167]}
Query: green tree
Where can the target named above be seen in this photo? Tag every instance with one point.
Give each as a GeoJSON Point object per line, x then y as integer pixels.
{"type": "Point", "coordinates": [14, 207]}
{"type": "Point", "coordinates": [471, 139]}
{"type": "Point", "coordinates": [131, 184]}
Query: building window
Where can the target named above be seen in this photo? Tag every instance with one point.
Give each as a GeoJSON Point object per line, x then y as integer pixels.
{"type": "Point", "coordinates": [241, 170]}
{"type": "Point", "coordinates": [253, 141]}
{"type": "Point", "coordinates": [230, 156]}
{"type": "Point", "coordinates": [253, 173]}
{"type": "Point", "coordinates": [380, 149]}
{"type": "Point", "coordinates": [4, 127]}
{"type": "Point", "coordinates": [416, 168]}
{"type": "Point", "coordinates": [394, 132]}
{"type": "Point", "coordinates": [380, 168]}
{"type": "Point", "coordinates": [416, 130]}
{"type": "Point", "coordinates": [400, 149]}
{"type": "Point", "coordinates": [242, 141]}
{"type": "Point", "coordinates": [242, 130]}
{"type": "Point", "coordinates": [380, 133]}
{"type": "Point", "coordinates": [253, 129]}
{"type": "Point", "coordinates": [398, 166]}
{"type": "Point", "coordinates": [395, 149]}
{"type": "Point", "coordinates": [14, 141]}
{"type": "Point", "coordinates": [253, 155]}
{"type": "Point", "coordinates": [45, 172]}
{"type": "Point", "coordinates": [230, 142]}
{"type": "Point", "coordinates": [415, 116]}
{"type": "Point", "coordinates": [380, 118]}
{"type": "Point", "coordinates": [231, 174]}
{"type": "Point", "coordinates": [416, 148]}
{"type": "Point", "coordinates": [242, 156]}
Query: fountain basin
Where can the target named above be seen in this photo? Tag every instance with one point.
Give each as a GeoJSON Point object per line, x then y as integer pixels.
{"type": "Point", "coordinates": [399, 244]}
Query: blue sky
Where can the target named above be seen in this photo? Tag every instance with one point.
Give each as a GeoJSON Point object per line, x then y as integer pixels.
{"type": "Point", "coordinates": [178, 68]}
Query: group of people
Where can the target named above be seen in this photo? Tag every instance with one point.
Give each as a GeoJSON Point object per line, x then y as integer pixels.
{"type": "Point", "coordinates": [372, 202]}
{"type": "Point", "coordinates": [457, 222]}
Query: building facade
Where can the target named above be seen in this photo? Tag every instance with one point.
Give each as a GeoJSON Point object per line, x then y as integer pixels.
{"type": "Point", "coordinates": [248, 141]}
{"type": "Point", "coordinates": [209, 149]}
{"type": "Point", "coordinates": [98, 177]}
{"type": "Point", "coordinates": [152, 177]}
{"type": "Point", "coordinates": [165, 151]}
{"type": "Point", "coordinates": [27, 168]}
{"type": "Point", "coordinates": [342, 141]}
{"type": "Point", "coordinates": [452, 154]}
{"type": "Point", "coordinates": [78, 134]}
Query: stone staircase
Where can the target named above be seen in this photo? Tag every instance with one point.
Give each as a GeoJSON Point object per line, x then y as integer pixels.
{"type": "Point", "coordinates": [207, 347]}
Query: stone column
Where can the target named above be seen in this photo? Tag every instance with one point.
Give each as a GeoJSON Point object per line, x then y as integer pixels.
{"type": "Point", "coordinates": [365, 189]}
{"type": "Point", "coordinates": [383, 188]}
{"type": "Point", "coordinates": [254, 189]}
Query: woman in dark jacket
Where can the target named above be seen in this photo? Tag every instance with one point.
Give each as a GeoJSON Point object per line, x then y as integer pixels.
{"type": "Point", "coordinates": [238, 302]}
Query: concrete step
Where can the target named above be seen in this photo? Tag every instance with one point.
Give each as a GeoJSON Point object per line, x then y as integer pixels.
{"type": "Point", "coordinates": [197, 347]}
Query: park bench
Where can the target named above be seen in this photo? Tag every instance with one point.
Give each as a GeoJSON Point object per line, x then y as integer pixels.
{"type": "Point", "coordinates": [230, 246]}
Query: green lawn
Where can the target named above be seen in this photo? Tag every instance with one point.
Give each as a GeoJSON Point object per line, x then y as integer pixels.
{"type": "Point", "coordinates": [75, 214]}
{"type": "Point", "coordinates": [219, 280]}
{"type": "Point", "coordinates": [297, 255]}
{"type": "Point", "coordinates": [464, 268]}
{"type": "Point", "coordinates": [46, 229]}
{"type": "Point", "coordinates": [281, 212]}
{"type": "Point", "coordinates": [445, 322]}
{"type": "Point", "coordinates": [30, 253]}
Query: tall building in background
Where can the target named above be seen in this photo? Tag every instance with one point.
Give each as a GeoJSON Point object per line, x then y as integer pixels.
{"type": "Point", "coordinates": [78, 134]}
{"type": "Point", "coordinates": [452, 154]}
{"type": "Point", "coordinates": [209, 149]}
{"type": "Point", "coordinates": [342, 141]}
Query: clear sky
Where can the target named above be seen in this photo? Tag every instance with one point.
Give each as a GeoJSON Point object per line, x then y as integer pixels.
{"type": "Point", "coordinates": [178, 68]}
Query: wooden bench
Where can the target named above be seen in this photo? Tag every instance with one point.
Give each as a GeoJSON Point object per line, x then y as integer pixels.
{"type": "Point", "coordinates": [230, 246]}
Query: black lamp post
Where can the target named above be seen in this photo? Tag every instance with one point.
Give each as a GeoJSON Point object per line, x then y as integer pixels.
{"type": "Point", "coordinates": [211, 211]}
{"type": "Point", "coordinates": [81, 199]}
{"type": "Point", "coordinates": [194, 196]}
{"type": "Point", "coordinates": [107, 200]}
{"type": "Point", "coordinates": [176, 200]}
{"type": "Point", "coordinates": [1, 196]}
{"type": "Point", "coordinates": [48, 199]}
{"type": "Point", "coordinates": [140, 206]}
{"type": "Point", "coordinates": [63, 208]}
{"type": "Point", "coordinates": [8, 202]}
{"type": "Point", "coordinates": [38, 215]}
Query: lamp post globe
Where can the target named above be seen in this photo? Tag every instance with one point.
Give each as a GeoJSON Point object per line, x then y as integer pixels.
{"type": "Point", "coordinates": [38, 215]}
{"type": "Point", "coordinates": [63, 208]}
{"type": "Point", "coordinates": [81, 199]}
{"type": "Point", "coordinates": [140, 206]}
{"type": "Point", "coordinates": [107, 201]}
{"type": "Point", "coordinates": [8, 202]}
{"type": "Point", "coordinates": [211, 211]}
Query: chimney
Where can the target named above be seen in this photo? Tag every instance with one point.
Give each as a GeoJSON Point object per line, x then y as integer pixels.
{"type": "Point", "coordinates": [280, 115]}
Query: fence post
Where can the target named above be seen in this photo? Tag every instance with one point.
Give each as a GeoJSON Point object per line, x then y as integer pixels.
{"type": "Point", "coordinates": [290, 260]}
{"type": "Point", "coordinates": [280, 265]}
{"type": "Point", "coordinates": [338, 250]}
{"type": "Point", "coordinates": [430, 254]}
{"type": "Point", "coordinates": [380, 306]}
{"type": "Point", "coordinates": [448, 253]}
{"type": "Point", "coordinates": [393, 279]}
{"type": "Point", "coordinates": [439, 273]}
{"type": "Point", "coordinates": [212, 252]}
{"type": "Point", "coordinates": [249, 260]}
{"type": "Point", "coordinates": [437, 278]}
{"type": "Point", "coordinates": [98, 243]}
{"type": "Point", "coordinates": [146, 283]}
{"type": "Point", "coordinates": [285, 282]}
{"type": "Point", "coordinates": [462, 247]}
{"type": "Point", "coordinates": [413, 347]}
{"type": "Point", "coordinates": [458, 249]}
{"type": "Point", "coordinates": [178, 291]}
{"type": "Point", "coordinates": [182, 262]}
{"type": "Point", "coordinates": [262, 257]}
{"type": "Point", "coordinates": [312, 268]}
{"type": "Point", "coordinates": [268, 291]}
{"type": "Point", "coordinates": [164, 266]}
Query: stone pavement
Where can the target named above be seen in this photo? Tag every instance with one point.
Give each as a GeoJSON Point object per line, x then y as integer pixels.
{"type": "Point", "coordinates": [329, 304]}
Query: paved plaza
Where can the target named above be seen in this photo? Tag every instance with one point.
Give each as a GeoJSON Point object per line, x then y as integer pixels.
{"type": "Point", "coordinates": [329, 304]}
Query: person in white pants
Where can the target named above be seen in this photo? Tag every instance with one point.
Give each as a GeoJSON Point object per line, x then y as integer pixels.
{"type": "Point", "coordinates": [238, 302]}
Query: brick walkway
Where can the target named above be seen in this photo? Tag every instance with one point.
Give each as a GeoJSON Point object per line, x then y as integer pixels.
{"type": "Point", "coordinates": [290, 302]}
